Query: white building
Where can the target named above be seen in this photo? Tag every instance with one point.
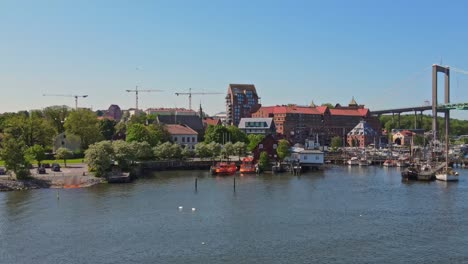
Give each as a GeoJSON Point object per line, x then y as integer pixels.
{"type": "Point", "coordinates": [307, 157]}
{"type": "Point", "coordinates": [257, 125]}
{"type": "Point", "coordinates": [183, 135]}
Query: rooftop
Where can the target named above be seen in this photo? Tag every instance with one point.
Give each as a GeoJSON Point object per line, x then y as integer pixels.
{"type": "Point", "coordinates": [180, 130]}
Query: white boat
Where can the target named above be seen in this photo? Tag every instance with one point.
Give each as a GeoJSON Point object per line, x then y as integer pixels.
{"type": "Point", "coordinates": [353, 161]}
{"type": "Point", "coordinates": [447, 175]}
{"type": "Point", "coordinates": [389, 163]}
{"type": "Point", "coordinates": [364, 162]}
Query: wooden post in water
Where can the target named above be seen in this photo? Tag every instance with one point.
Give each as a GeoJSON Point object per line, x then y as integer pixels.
{"type": "Point", "coordinates": [234, 185]}
{"type": "Point", "coordinates": [196, 184]}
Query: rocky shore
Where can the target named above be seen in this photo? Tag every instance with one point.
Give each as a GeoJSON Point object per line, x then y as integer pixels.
{"type": "Point", "coordinates": [39, 182]}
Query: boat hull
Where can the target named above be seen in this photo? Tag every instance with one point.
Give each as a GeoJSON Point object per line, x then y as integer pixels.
{"type": "Point", "coordinates": [446, 177]}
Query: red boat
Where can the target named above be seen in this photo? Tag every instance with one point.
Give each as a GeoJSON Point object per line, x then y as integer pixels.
{"type": "Point", "coordinates": [223, 168]}
{"type": "Point", "coordinates": [247, 165]}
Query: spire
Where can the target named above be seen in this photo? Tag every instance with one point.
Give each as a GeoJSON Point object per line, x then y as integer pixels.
{"type": "Point", "coordinates": [200, 111]}
{"type": "Point", "coordinates": [312, 104]}
{"type": "Point", "coordinates": [353, 102]}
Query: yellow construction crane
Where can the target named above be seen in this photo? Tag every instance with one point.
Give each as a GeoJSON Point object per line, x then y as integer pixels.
{"type": "Point", "coordinates": [136, 91]}
{"type": "Point", "coordinates": [190, 96]}
{"type": "Point", "coordinates": [68, 95]}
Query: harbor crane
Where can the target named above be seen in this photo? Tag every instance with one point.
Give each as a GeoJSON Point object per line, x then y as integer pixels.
{"type": "Point", "coordinates": [136, 91]}
{"type": "Point", "coordinates": [69, 95]}
{"type": "Point", "coordinates": [190, 95]}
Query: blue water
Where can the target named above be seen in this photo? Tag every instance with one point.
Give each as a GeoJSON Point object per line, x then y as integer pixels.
{"type": "Point", "coordinates": [339, 215]}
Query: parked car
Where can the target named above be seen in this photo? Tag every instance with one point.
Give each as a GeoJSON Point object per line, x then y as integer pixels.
{"type": "Point", "coordinates": [2, 171]}
{"type": "Point", "coordinates": [41, 170]}
{"type": "Point", "coordinates": [46, 165]}
{"type": "Point", "coordinates": [55, 167]}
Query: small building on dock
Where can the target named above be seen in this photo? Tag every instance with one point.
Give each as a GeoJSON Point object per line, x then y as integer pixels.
{"type": "Point", "coordinates": [308, 158]}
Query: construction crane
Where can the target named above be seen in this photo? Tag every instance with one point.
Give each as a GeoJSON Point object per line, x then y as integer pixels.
{"type": "Point", "coordinates": [190, 96]}
{"type": "Point", "coordinates": [68, 95]}
{"type": "Point", "coordinates": [136, 91]}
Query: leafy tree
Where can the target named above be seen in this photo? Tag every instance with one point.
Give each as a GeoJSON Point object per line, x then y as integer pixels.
{"type": "Point", "coordinates": [37, 152]}
{"type": "Point", "coordinates": [218, 134]}
{"type": "Point", "coordinates": [236, 135]}
{"type": "Point", "coordinates": [254, 140]}
{"type": "Point", "coordinates": [84, 124]}
{"type": "Point", "coordinates": [107, 128]}
{"type": "Point", "coordinates": [263, 161]}
{"type": "Point", "coordinates": [240, 148]}
{"type": "Point", "coordinates": [141, 119]}
{"type": "Point", "coordinates": [163, 151]}
{"type": "Point", "coordinates": [99, 157]}
{"type": "Point", "coordinates": [187, 153]}
{"type": "Point", "coordinates": [160, 133]}
{"type": "Point", "coordinates": [214, 149]}
{"type": "Point", "coordinates": [176, 151]}
{"type": "Point", "coordinates": [227, 150]}
{"type": "Point", "coordinates": [142, 150]}
{"type": "Point", "coordinates": [202, 151]}
{"type": "Point", "coordinates": [283, 149]}
{"type": "Point", "coordinates": [137, 133]}
{"type": "Point", "coordinates": [13, 153]}
{"type": "Point", "coordinates": [124, 153]}
{"type": "Point", "coordinates": [55, 116]}
{"type": "Point", "coordinates": [336, 142]}
{"type": "Point", "coordinates": [31, 129]}
{"type": "Point", "coordinates": [63, 153]}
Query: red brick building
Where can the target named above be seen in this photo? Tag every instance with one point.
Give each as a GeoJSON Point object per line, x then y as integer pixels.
{"type": "Point", "coordinates": [362, 135]}
{"type": "Point", "coordinates": [241, 101]}
{"type": "Point", "coordinates": [297, 123]}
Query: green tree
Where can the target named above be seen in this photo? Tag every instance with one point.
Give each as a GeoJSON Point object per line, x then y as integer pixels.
{"type": "Point", "coordinates": [240, 148]}
{"type": "Point", "coordinates": [329, 105]}
{"type": "Point", "coordinates": [36, 152]}
{"type": "Point", "coordinates": [187, 153]}
{"type": "Point", "coordinates": [98, 157]}
{"type": "Point", "coordinates": [202, 151]}
{"type": "Point", "coordinates": [263, 161]}
{"type": "Point", "coordinates": [159, 133]}
{"type": "Point", "coordinates": [31, 128]}
{"type": "Point", "coordinates": [163, 151]}
{"type": "Point", "coordinates": [227, 150]}
{"type": "Point", "coordinates": [254, 140]}
{"type": "Point", "coordinates": [283, 149]}
{"type": "Point", "coordinates": [143, 150]}
{"type": "Point", "coordinates": [55, 116]}
{"type": "Point", "coordinates": [107, 128]}
{"type": "Point", "coordinates": [218, 134]}
{"type": "Point", "coordinates": [137, 133]}
{"type": "Point", "coordinates": [63, 154]}
{"type": "Point", "coordinates": [124, 153]}
{"type": "Point", "coordinates": [13, 153]}
{"type": "Point", "coordinates": [336, 142]}
{"type": "Point", "coordinates": [214, 149]}
{"type": "Point", "coordinates": [176, 151]}
{"type": "Point", "coordinates": [84, 124]}
{"type": "Point", "coordinates": [236, 135]}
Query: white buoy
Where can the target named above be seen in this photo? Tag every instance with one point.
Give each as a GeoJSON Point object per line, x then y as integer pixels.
{"type": "Point", "coordinates": [193, 209]}
{"type": "Point", "coordinates": [203, 243]}
{"type": "Point", "coordinates": [360, 215]}
{"type": "Point", "coordinates": [181, 207]}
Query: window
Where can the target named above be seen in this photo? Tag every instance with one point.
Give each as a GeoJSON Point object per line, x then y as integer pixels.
{"type": "Point", "coordinates": [193, 139]}
{"type": "Point", "coordinates": [188, 139]}
{"type": "Point", "coordinates": [305, 157]}
{"type": "Point", "coordinates": [175, 139]}
{"type": "Point", "coordinates": [260, 146]}
{"type": "Point", "coordinates": [183, 139]}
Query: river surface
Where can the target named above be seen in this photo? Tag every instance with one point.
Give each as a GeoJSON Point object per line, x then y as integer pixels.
{"type": "Point", "coordinates": [339, 215]}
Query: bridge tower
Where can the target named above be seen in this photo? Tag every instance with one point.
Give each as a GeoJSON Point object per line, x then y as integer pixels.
{"type": "Point", "coordinates": [435, 70]}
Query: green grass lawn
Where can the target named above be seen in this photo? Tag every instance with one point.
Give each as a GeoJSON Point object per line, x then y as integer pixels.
{"type": "Point", "coordinates": [69, 161]}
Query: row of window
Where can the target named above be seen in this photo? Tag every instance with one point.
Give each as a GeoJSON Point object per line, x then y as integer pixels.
{"type": "Point", "coordinates": [185, 138]}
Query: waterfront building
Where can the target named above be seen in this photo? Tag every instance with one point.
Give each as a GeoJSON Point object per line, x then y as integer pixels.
{"type": "Point", "coordinates": [403, 137]}
{"type": "Point", "coordinates": [70, 142]}
{"type": "Point", "coordinates": [269, 144]}
{"type": "Point", "coordinates": [362, 135]}
{"type": "Point", "coordinates": [257, 125]}
{"type": "Point", "coordinates": [192, 121]}
{"type": "Point", "coordinates": [297, 123]}
{"type": "Point", "coordinates": [183, 136]}
{"type": "Point", "coordinates": [310, 158]}
{"type": "Point", "coordinates": [241, 101]}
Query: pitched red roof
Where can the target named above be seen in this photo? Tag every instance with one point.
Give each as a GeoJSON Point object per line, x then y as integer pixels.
{"type": "Point", "coordinates": [349, 112]}
{"type": "Point", "coordinates": [180, 130]}
{"type": "Point", "coordinates": [293, 109]}
{"type": "Point", "coordinates": [211, 121]}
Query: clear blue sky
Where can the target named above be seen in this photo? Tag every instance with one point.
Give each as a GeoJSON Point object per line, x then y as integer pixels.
{"type": "Point", "coordinates": [380, 52]}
